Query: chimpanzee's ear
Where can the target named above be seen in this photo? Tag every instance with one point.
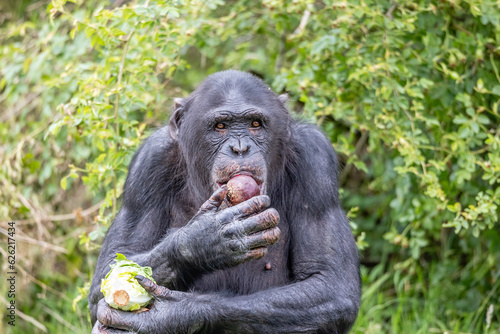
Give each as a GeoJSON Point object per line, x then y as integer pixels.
{"type": "Point", "coordinates": [176, 117]}
{"type": "Point", "coordinates": [283, 98]}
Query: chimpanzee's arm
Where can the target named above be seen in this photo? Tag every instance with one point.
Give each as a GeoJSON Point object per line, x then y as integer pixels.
{"type": "Point", "coordinates": [142, 232]}
{"type": "Point", "coordinates": [143, 218]}
{"type": "Point", "coordinates": [325, 296]}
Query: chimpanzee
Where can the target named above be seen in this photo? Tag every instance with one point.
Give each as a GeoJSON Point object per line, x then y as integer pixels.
{"type": "Point", "coordinates": [284, 261]}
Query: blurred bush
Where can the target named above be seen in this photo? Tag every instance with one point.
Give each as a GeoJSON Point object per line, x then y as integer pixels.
{"type": "Point", "coordinates": [407, 91]}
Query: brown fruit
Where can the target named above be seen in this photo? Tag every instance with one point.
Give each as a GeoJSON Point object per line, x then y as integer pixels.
{"type": "Point", "coordinates": [241, 188]}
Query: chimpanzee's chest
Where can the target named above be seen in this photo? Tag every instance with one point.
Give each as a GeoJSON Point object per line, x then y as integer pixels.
{"type": "Point", "coordinates": [254, 275]}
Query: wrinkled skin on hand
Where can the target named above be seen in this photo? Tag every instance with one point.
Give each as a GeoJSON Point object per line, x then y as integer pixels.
{"type": "Point", "coordinates": [217, 239]}
{"type": "Point", "coordinates": [166, 309]}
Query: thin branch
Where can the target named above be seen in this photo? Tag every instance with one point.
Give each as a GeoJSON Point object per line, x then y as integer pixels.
{"type": "Point", "coordinates": [56, 316]}
{"type": "Point", "coordinates": [36, 242]}
{"type": "Point", "coordinates": [71, 216]}
{"type": "Point", "coordinates": [43, 285]}
{"type": "Point", "coordinates": [357, 150]}
{"type": "Point", "coordinates": [26, 102]}
{"type": "Point", "coordinates": [389, 12]}
{"type": "Point", "coordinates": [36, 216]}
{"type": "Point", "coordinates": [494, 67]}
{"type": "Point", "coordinates": [36, 5]}
{"type": "Point", "coordinates": [117, 100]}
{"type": "Point", "coordinates": [67, 216]}
{"type": "Point", "coordinates": [303, 23]}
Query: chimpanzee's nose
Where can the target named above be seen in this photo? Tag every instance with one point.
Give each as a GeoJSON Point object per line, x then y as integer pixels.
{"type": "Point", "coordinates": [241, 147]}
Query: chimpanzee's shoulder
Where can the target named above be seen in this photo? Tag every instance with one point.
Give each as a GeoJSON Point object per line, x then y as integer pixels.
{"type": "Point", "coordinates": [156, 147]}
{"type": "Point", "coordinates": [313, 141]}
{"type": "Point", "coordinates": [150, 168]}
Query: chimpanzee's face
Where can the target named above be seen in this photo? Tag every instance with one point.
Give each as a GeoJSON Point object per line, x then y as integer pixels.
{"type": "Point", "coordinates": [232, 139]}
{"type": "Point", "coordinates": [239, 135]}
{"type": "Point", "coordinates": [226, 132]}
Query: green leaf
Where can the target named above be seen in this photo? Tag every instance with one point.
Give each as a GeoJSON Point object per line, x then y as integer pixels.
{"type": "Point", "coordinates": [480, 85]}
{"type": "Point", "coordinates": [483, 119]}
{"type": "Point", "coordinates": [120, 257]}
{"type": "Point", "coordinates": [496, 90]}
{"type": "Point", "coordinates": [64, 182]}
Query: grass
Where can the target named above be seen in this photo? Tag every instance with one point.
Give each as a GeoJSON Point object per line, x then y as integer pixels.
{"type": "Point", "coordinates": [429, 303]}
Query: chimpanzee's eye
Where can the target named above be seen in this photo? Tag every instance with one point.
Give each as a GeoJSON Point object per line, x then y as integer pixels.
{"type": "Point", "coordinates": [220, 126]}
{"type": "Point", "coordinates": [256, 124]}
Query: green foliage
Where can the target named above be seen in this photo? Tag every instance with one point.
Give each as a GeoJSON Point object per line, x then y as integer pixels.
{"type": "Point", "coordinates": [408, 92]}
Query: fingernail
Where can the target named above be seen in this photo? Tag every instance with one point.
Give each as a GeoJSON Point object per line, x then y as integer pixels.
{"type": "Point", "coordinates": [139, 277]}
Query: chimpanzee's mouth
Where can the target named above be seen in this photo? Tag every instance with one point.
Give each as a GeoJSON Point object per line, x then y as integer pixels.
{"type": "Point", "coordinates": [232, 175]}
{"type": "Point", "coordinates": [260, 183]}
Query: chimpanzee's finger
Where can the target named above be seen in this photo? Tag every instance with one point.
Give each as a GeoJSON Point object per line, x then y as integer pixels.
{"type": "Point", "coordinates": [259, 222]}
{"type": "Point", "coordinates": [100, 329]}
{"type": "Point", "coordinates": [247, 208]}
{"type": "Point", "coordinates": [252, 254]}
{"type": "Point", "coordinates": [255, 254]}
{"type": "Point", "coordinates": [215, 200]}
{"type": "Point", "coordinates": [110, 317]}
{"type": "Point", "coordinates": [155, 290]}
{"type": "Point", "coordinates": [264, 238]}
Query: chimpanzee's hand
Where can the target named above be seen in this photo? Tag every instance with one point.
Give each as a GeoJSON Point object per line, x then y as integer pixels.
{"type": "Point", "coordinates": [221, 239]}
{"type": "Point", "coordinates": [171, 312]}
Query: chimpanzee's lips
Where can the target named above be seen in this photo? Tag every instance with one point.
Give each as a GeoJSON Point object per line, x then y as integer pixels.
{"type": "Point", "coordinates": [247, 173]}
{"type": "Point", "coordinates": [259, 181]}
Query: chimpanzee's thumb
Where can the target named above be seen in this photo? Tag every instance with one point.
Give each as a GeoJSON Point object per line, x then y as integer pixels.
{"type": "Point", "coordinates": [155, 290]}
{"type": "Point", "coordinates": [214, 201]}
